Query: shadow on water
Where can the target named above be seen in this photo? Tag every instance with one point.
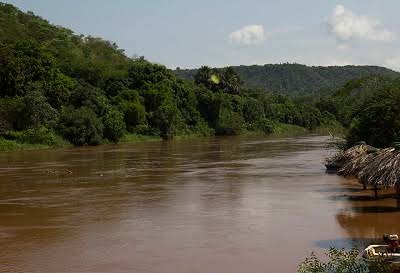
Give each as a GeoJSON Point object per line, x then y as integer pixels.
{"type": "Point", "coordinates": [339, 190]}
{"type": "Point", "coordinates": [375, 209]}
{"type": "Point", "coordinates": [368, 196]}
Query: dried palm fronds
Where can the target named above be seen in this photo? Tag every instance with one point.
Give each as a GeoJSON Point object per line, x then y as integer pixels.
{"type": "Point", "coordinates": [383, 170]}
{"type": "Point", "coordinates": [341, 159]}
{"type": "Point", "coordinates": [356, 164]}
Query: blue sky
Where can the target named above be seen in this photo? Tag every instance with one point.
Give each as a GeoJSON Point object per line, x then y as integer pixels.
{"type": "Point", "coordinates": [191, 33]}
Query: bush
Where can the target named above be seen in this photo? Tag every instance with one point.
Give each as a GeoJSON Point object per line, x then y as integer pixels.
{"type": "Point", "coordinates": [145, 129]}
{"type": "Point", "coordinates": [229, 122]}
{"type": "Point", "coordinates": [266, 125]}
{"type": "Point", "coordinates": [376, 120]}
{"type": "Point", "coordinates": [342, 261]}
{"type": "Point", "coordinates": [10, 111]}
{"type": "Point", "coordinates": [202, 129]}
{"type": "Point", "coordinates": [40, 135]}
{"type": "Point", "coordinates": [129, 102]}
{"type": "Point", "coordinates": [165, 119]}
{"type": "Point", "coordinates": [114, 125]}
{"type": "Point", "coordinates": [80, 126]}
{"type": "Point", "coordinates": [36, 111]}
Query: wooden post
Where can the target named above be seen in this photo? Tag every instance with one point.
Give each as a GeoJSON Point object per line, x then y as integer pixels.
{"type": "Point", "coordinates": [364, 186]}
{"type": "Point", "coordinates": [376, 191]}
{"type": "Point", "coordinates": [397, 188]}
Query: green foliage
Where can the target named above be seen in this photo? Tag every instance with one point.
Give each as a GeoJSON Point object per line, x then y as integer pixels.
{"type": "Point", "coordinates": [253, 110]}
{"type": "Point", "coordinates": [10, 112]}
{"type": "Point", "coordinates": [114, 125]}
{"type": "Point", "coordinates": [23, 63]}
{"type": "Point", "coordinates": [290, 78]}
{"type": "Point", "coordinates": [129, 102]}
{"type": "Point", "coordinates": [88, 90]}
{"type": "Point", "coordinates": [80, 126]}
{"type": "Point", "coordinates": [36, 111]}
{"type": "Point", "coordinates": [39, 135]}
{"type": "Point", "coordinates": [230, 119]}
{"type": "Point", "coordinates": [12, 145]}
{"type": "Point", "coordinates": [376, 119]}
{"type": "Point", "coordinates": [342, 261]}
{"type": "Point", "coordinates": [225, 79]}
{"type": "Point", "coordinates": [266, 126]}
{"type": "Point", "coordinates": [165, 119]}
{"type": "Point", "coordinates": [86, 95]}
{"type": "Point", "coordinates": [143, 73]}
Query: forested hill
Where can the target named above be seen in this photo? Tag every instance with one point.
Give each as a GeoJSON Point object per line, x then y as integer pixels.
{"type": "Point", "coordinates": [57, 87]}
{"type": "Point", "coordinates": [81, 57]}
{"type": "Point", "coordinates": [297, 78]}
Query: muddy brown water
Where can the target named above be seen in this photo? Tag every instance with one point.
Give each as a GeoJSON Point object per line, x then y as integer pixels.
{"type": "Point", "coordinates": [211, 205]}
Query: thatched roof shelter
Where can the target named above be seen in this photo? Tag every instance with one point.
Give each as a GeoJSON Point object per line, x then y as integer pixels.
{"type": "Point", "coordinates": [356, 164]}
{"type": "Point", "coordinates": [340, 160]}
{"type": "Point", "coordinates": [383, 170]}
{"type": "Point", "coordinates": [373, 167]}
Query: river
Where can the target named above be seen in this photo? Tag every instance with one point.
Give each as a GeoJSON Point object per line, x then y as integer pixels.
{"type": "Point", "coordinates": [234, 205]}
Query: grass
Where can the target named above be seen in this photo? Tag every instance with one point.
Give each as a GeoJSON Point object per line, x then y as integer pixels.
{"type": "Point", "coordinates": [134, 138]}
{"type": "Point", "coordinates": [282, 128]}
{"type": "Point", "coordinates": [21, 141]}
{"type": "Point", "coordinates": [31, 139]}
{"type": "Point", "coordinates": [12, 145]}
{"type": "Point", "coordinates": [334, 130]}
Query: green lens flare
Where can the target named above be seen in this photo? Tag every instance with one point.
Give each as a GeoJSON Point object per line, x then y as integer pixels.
{"type": "Point", "coordinates": [215, 79]}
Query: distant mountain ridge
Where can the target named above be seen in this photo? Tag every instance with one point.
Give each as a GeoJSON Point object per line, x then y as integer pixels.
{"type": "Point", "coordinates": [298, 78]}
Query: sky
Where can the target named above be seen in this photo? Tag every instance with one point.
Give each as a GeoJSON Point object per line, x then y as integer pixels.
{"type": "Point", "coordinates": [191, 33]}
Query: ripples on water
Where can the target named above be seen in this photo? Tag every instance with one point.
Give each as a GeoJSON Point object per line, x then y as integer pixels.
{"type": "Point", "coordinates": [209, 205]}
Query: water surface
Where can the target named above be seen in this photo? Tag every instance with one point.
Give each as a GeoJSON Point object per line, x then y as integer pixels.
{"type": "Point", "coordinates": [211, 205]}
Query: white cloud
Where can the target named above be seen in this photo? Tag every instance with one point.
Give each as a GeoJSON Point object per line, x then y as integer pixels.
{"type": "Point", "coordinates": [346, 26]}
{"type": "Point", "coordinates": [393, 63]}
{"type": "Point", "coordinates": [248, 35]}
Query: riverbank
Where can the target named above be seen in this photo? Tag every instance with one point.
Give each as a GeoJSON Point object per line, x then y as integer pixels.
{"type": "Point", "coordinates": [281, 129]}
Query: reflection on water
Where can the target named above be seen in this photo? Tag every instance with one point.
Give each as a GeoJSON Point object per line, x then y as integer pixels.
{"type": "Point", "coordinates": [211, 205]}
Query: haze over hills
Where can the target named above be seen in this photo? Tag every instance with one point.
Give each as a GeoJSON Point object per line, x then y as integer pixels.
{"type": "Point", "coordinates": [297, 78]}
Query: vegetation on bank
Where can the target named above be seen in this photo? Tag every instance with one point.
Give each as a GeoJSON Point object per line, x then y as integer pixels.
{"type": "Point", "coordinates": [57, 88]}
{"type": "Point", "coordinates": [369, 108]}
{"type": "Point", "coordinates": [343, 261]}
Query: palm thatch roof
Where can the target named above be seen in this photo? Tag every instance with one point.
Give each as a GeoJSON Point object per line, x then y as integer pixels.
{"type": "Point", "coordinates": [350, 154]}
{"type": "Point", "coordinates": [372, 167]}
{"type": "Point", "coordinates": [383, 170]}
{"type": "Point", "coordinates": [356, 164]}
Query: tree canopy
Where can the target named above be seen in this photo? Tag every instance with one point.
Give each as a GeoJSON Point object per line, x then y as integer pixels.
{"type": "Point", "coordinates": [86, 90]}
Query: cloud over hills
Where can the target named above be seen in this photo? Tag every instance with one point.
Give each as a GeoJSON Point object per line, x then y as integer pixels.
{"type": "Point", "coordinates": [248, 35]}
{"type": "Point", "coordinates": [346, 26]}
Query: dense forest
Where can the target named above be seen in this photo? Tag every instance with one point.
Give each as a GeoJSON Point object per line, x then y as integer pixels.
{"type": "Point", "coordinates": [296, 78]}
{"type": "Point", "coordinates": [57, 87]}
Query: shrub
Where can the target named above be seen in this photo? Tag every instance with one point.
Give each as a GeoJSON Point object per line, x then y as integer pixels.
{"type": "Point", "coordinates": [342, 261]}
{"type": "Point", "coordinates": [80, 126]}
{"type": "Point", "coordinates": [266, 125]}
{"type": "Point", "coordinates": [376, 120]}
{"type": "Point", "coordinates": [165, 119]}
{"type": "Point", "coordinates": [229, 122]}
{"type": "Point", "coordinates": [114, 125]}
{"type": "Point", "coordinates": [40, 135]}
